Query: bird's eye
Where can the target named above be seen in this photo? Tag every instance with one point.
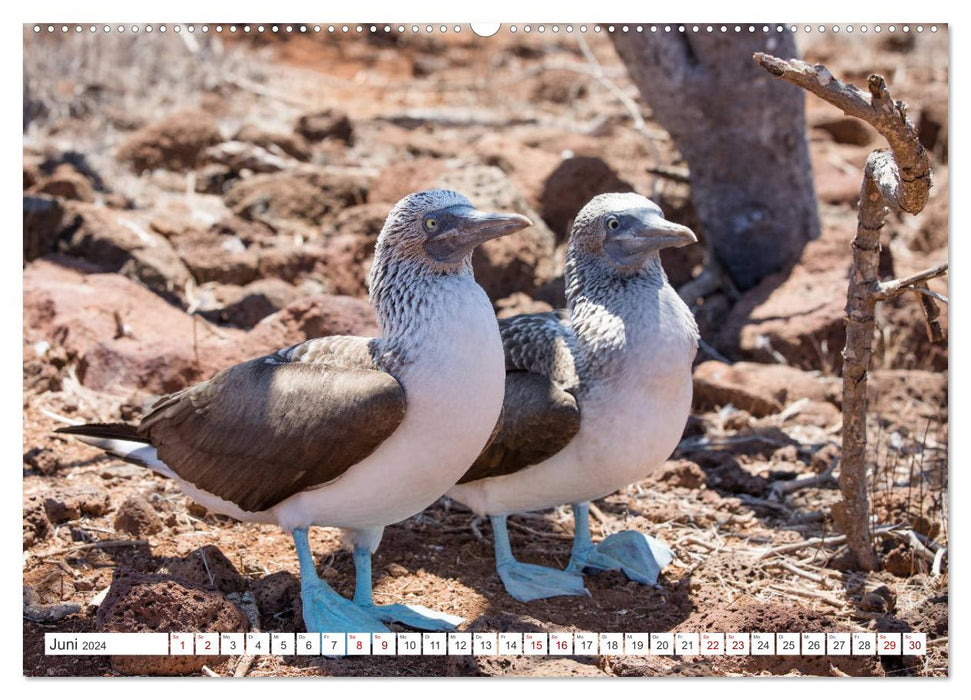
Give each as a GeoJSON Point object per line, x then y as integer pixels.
{"type": "Point", "coordinates": [613, 223]}
{"type": "Point", "coordinates": [431, 224]}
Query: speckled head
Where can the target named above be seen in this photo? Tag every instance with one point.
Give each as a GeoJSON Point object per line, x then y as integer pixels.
{"type": "Point", "coordinates": [626, 229]}
{"type": "Point", "coordinates": [439, 229]}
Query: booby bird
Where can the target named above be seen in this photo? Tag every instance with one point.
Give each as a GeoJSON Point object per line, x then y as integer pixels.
{"type": "Point", "coordinates": [596, 396]}
{"type": "Point", "coordinates": [348, 432]}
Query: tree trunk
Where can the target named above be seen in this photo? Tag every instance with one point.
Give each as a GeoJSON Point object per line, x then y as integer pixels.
{"type": "Point", "coordinates": [743, 135]}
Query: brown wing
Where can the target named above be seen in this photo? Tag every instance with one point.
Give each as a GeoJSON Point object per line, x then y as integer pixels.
{"type": "Point", "coordinates": [539, 413]}
{"type": "Point", "coordinates": [266, 429]}
{"type": "Point", "coordinates": [540, 343]}
{"type": "Point", "coordinates": [538, 420]}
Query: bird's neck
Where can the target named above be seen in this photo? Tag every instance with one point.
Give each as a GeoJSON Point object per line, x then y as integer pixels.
{"type": "Point", "coordinates": [411, 302]}
{"type": "Point", "coordinates": [615, 315]}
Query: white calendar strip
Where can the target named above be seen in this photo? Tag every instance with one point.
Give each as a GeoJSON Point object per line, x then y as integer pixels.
{"type": "Point", "coordinates": [488, 644]}
{"type": "Point", "coordinates": [107, 643]}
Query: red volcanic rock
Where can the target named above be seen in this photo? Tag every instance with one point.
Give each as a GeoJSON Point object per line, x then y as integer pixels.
{"type": "Point", "coordinates": [175, 142]}
{"type": "Point", "coordinates": [139, 602]}
{"type": "Point", "coordinates": [570, 186]}
{"type": "Point", "coordinates": [123, 335]}
{"type": "Point", "coordinates": [314, 317]}
{"type": "Point", "coordinates": [137, 517]}
{"type": "Point", "coordinates": [119, 242]}
{"type": "Point", "coordinates": [760, 389]}
{"type": "Point", "coordinates": [328, 124]}
{"type": "Point", "coordinates": [308, 194]}
{"type": "Point", "coordinates": [66, 183]}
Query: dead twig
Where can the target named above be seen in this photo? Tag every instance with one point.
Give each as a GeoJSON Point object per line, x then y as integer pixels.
{"type": "Point", "coordinates": [61, 419]}
{"type": "Point", "coordinates": [670, 173]}
{"type": "Point", "coordinates": [549, 535]}
{"type": "Point", "coordinates": [257, 89]}
{"type": "Point", "coordinates": [898, 179]}
{"type": "Point", "coordinates": [932, 313]}
{"type": "Point", "coordinates": [892, 288]}
{"type": "Point", "coordinates": [919, 547]}
{"type": "Point", "coordinates": [35, 611]}
{"type": "Point", "coordinates": [792, 568]}
{"type": "Point", "coordinates": [247, 603]}
{"type": "Point", "coordinates": [474, 526]}
{"type": "Point", "coordinates": [598, 74]}
{"type": "Point", "coordinates": [104, 544]}
{"type": "Point", "coordinates": [781, 489]}
{"type": "Point", "coordinates": [806, 593]}
{"type": "Point", "coordinates": [813, 542]}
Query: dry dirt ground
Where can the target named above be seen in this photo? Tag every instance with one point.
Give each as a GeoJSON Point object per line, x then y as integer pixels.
{"type": "Point", "coordinates": [162, 243]}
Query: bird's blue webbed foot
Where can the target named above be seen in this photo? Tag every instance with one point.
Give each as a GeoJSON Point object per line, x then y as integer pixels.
{"type": "Point", "coordinates": [526, 582]}
{"type": "Point", "coordinates": [639, 556]}
{"type": "Point", "coordinates": [323, 609]}
{"type": "Point", "coordinates": [417, 617]}
{"type": "Point", "coordinates": [414, 616]}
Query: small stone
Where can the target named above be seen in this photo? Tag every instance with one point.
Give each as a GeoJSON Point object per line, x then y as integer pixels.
{"type": "Point", "coordinates": [823, 458]}
{"type": "Point", "coordinates": [65, 183]}
{"type": "Point", "coordinates": [872, 602]}
{"type": "Point", "coordinates": [37, 526]}
{"type": "Point", "coordinates": [71, 504]}
{"type": "Point", "coordinates": [43, 459]}
{"type": "Point", "coordinates": [276, 593]}
{"type": "Point", "coordinates": [137, 517]}
{"type": "Point", "coordinates": [900, 562]}
{"type": "Point", "coordinates": [199, 511]}
{"type": "Point", "coordinates": [680, 473]}
{"type": "Point", "coordinates": [328, 124]}
{"type": "Point", "coordinates": [396, 570]}
{"type": "Point", "coordinates": [173, 142]}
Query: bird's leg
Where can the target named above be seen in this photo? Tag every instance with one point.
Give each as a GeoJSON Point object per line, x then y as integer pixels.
{"type": "Point", "coordinates": [526, 582]}
{"type": "Point", "coordinates": [640, 557]}
{"type": "Point", "coordinates": [323, 609]}
{"type": "Point", "coordinates": [416, 616]}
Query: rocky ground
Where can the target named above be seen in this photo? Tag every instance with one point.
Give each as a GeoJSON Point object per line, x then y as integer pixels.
{"type": "Point", "coordinates": [189, 203]}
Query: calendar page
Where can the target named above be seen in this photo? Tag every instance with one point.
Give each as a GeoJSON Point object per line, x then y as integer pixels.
{"type": "Point", "coordinates": [553, 349]}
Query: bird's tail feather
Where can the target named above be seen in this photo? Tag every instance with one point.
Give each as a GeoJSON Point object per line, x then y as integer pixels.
{"type": "Point", "coordinates": [122, 441]}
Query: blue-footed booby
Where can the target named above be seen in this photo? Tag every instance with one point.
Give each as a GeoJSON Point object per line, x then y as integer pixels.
{"type": "Point", "coordinates": [348, 432]}
{"type": "Point", "coordinates": [596, 397]}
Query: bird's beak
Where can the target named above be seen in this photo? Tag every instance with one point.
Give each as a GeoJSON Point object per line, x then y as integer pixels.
{"type": "Point", "coordinates": [472, 228]}
{"type": "Point", "coordinates": [644, 232]}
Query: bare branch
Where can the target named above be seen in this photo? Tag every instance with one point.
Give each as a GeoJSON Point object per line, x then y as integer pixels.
{"type": "Point", "coordinates": [598, 74]}
{"type": "Point", "coordinates": [932, 294]}
{"type": "Point", "coordinates": [932, 314]}
{"type": "Point", "coordinates": [890, 289]}
{"type": "Point", "coordinates": [898, 179]}
{"type": "Point", "coordinates": [877, 108]}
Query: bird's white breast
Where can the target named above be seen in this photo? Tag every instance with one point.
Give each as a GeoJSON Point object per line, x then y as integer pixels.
{"type": "Point", "coordinates": [631, 420]}
{"type": "Point", "coordinates": [454, 389]}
